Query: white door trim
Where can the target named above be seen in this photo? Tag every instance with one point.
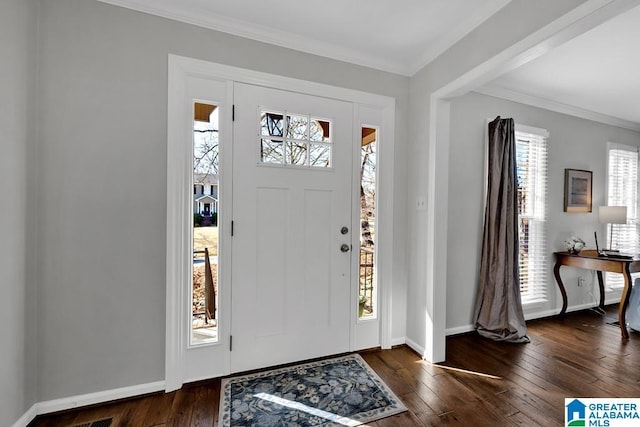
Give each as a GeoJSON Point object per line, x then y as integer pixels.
{"type": "Point", "coordinates": [179, 356]}
{"type": "Point", "coordinates": [179, 69]}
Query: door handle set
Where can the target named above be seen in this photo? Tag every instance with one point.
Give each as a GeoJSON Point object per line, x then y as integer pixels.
{"type": "Point", "coordinates": [344, 247]}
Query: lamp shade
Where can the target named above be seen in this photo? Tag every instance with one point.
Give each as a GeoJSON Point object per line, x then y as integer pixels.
{"type": "Point", "coordinates": [612, 214]}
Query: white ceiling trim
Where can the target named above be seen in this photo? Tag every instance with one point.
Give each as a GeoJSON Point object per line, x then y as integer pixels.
{"type": "Point", "coordinates": [266, 35]}
{"type": "Point", "coordinates": [304, 44]}
{"type": "Point", "coordinates": [454, 36]}
{"type": "Point", "coordinates": [555, 106]}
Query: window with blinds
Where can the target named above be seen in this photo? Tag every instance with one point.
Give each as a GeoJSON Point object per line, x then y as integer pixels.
{"type": "Point", "coordinates": [622, 190]}
{"type": "Point", "coordinates": [531, 164]}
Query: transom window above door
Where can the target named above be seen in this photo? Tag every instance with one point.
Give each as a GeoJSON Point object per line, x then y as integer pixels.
{"type": "Point", "coordinates": [295, 140]}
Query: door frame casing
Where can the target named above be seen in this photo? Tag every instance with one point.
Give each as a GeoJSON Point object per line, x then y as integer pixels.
{"type": "Point", "coordinates": [366, 332]}
{"type": "Point", "coordinates": [179, 70]}
{"type": "Point", "coordinates": [185, 87]}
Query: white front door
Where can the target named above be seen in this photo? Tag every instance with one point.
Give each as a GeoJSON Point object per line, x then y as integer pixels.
{"type": "Point", "coordinates": [292, 166]}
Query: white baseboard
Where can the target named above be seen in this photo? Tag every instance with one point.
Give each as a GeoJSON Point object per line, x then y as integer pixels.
{"type": "Point", "coordinates": [416, 347]}
{"type": "Point", "coordinates": [531, 316]}
{"type": "Point", "coordinates": [460, 330]}
{"type": "Point", "coordinates": [613, 300]}
{"type": "Point", "coordinates": [65, 403]}
{"type": "Point", "coordinates": [28, 416]}
{"type": "Point", "coordinates": [547, 313]}
{"type": "Point", "coordinates": [398, 341]}
{"type": "Point", "coordinates": [556, 311]}
{"type": "Point", "coordinates": [99, 397]}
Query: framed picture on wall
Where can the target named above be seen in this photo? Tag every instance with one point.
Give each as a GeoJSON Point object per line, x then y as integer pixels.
{"type": "Point", "coordinates": [577, 190]}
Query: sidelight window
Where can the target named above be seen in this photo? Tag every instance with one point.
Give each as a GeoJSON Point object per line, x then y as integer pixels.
{"type": "Point", "coordinates": [367, 290]}
{"type": "Point", "coordinates": [204, 283]}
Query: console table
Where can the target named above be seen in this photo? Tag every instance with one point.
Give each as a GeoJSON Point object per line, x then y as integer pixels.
{"type": "Point", "coordinates": [589, 259]}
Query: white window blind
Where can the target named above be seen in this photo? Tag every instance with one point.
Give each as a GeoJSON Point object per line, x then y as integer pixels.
{"type": "Point", "coordinates": [531, 164]}
{"type": "Point", "coordinates": [622, 190]}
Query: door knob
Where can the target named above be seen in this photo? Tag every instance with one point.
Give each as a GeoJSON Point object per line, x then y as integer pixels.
{"type": "Point", "coordinates": [345, 247]}
{"type": "Point", "coordinates": [344, 230]}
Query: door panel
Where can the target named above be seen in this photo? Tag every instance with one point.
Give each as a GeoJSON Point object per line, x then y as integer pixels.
{"type": "Point", "coordinates": [270, 258]}
{"type": "Point", "coordinates": [291, 281]}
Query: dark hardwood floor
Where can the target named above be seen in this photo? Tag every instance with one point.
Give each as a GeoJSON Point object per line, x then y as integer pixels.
{"type": "Point", "coordinates": [482, 383]}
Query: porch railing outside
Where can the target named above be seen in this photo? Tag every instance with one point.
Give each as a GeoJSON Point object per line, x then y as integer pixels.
{"type": "Point", "coordinates": [206, 308]}
{"type": "Point", "coordinates": [366, 282]}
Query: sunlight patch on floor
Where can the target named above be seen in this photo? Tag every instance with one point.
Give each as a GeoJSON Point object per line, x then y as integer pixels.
{"type": "Point", "coordinates": [308, 409]}
{"type": "Point", "coordinates": [464, 371]}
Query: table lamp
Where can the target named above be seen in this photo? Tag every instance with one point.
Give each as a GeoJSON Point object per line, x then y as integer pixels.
{"type": "Point", "coordinates": [612, 215]}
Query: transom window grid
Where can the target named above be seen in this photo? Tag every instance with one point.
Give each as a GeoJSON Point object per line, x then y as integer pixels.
{"type": "Point", "coordinates": [295, 140]}
{"type": "Point", "coordinates": [531, 165]}
{"type": "Point", "coordinates": [622, 190]}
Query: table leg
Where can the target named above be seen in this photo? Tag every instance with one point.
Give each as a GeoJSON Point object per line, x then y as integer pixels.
{"type": "Point", "coordinates": [624, 303]}
{"type": "Point", "coordinates": [601, 287]}
{"type": "Point", "coordinates": [556, 273]}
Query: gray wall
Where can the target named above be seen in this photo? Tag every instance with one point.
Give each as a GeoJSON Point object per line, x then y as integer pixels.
{"type": "Point", "coordinates": [18, 307]}
{"type": "Point", "coordinates": [102, 162]}
{"type": "Point", "coordinates": [574, 143]}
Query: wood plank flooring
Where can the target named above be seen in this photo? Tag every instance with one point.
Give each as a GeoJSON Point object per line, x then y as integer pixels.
{"type": "Point", "coordinates": [482, 383]}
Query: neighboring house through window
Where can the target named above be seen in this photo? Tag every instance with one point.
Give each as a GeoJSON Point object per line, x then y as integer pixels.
{"type": "Point", "coordinates": [205, 199]}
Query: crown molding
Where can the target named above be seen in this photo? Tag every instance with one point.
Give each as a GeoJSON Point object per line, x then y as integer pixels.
{"type": "Point", "coordinates": [558, 107]}
{"type": "Point", "coordinates": [305, 44]}
{"type": "Point", "coordinates": [265, 35]}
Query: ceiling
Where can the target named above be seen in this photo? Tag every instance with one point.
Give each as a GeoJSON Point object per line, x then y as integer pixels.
{"type": "Point", "coordinates": [399, 36]}
{"type": "Point", "coordinates": [593, 75]}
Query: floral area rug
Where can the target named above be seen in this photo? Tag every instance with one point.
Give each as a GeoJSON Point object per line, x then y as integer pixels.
{"type": "Point", "coordinates": [343, 391]}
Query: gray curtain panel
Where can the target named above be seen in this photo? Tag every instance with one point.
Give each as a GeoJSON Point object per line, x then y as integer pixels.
{"type": "Point", "coordinates": [499, 313]}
